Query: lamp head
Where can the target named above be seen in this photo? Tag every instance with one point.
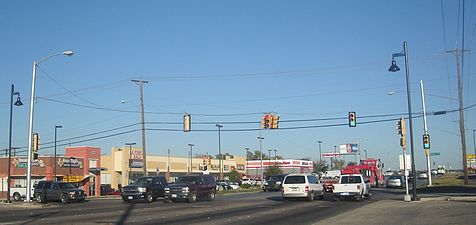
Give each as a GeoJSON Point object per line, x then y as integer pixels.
{"type": "Point", "coordinates": [18, 102]}
{"type": "Point", "coordinates": [393, 67]}
{"type": "Point", "coordinates": [68, 53]}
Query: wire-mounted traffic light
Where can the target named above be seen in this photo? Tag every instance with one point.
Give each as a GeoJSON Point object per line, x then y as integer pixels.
{"type": "Point", "coordinates": [187, 122]}
{"type": "Point", "coordinates": [352, 119]}
{"type": "Point", "coordinates": [275, 121]}
{"type": "Point", "coordinates": [426, 141]}
{"type": "Point", "coordinates": [267, 120]}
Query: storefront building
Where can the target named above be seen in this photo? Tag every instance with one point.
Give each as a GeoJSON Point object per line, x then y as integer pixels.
{"type": "Point", "coordinates": [80, 165]}
{"type": "Point", "coordinates": [254, 168]}
{"type": "Point", "coordinates": [125, 165]}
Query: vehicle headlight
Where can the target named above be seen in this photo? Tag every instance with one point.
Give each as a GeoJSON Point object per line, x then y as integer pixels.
{"type": "Point", "coordinates": [142, 189]}
{"type": "Point", "coordinates": [185, 189]}
{"type": "Point", "coordinates": [167, 189]}
{"type": "Point", "coordinates": [265, 183]}
{"type": "Point", "coordinates": [72, 193]}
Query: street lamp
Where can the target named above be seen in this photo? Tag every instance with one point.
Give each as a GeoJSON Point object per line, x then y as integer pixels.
{"type": "Point", "coordinates": [395, 68]}
{"type": "Point", "coordinates": [30, 126]}
{"type": "Point", "coordinates": [54, 165]}
{"type": "Point", "coordinates": [275, 157]}
{"type": "Point", "coordinates": [261, 158]}
{"type": "Point", "coordinates": [320, 151]}
{"type": "Point", "coordinates": [219, 151]}
{"type": "Point", "coordinates": [191, 154]}
{"type": "Point", "coordinates": [17, 103]}
{"type": "Point", "coordinates": [335, 151]}
{"type": "Point", "coordinates": [130, 144]}
{"type": "Point", "coordinates": [247, 153]}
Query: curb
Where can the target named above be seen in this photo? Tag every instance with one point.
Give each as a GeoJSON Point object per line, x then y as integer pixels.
{"type": "Point", "coordinates": [450, 198]}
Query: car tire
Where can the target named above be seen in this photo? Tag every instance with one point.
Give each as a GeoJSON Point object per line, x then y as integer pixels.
{"type": "Point", "coordinates": [192, 197]}
{"type": "Point", "coordinates": [64, 199]}
{"type": "Point", "coordinates": [16, 196]}
{"type": "Point", "coordinates": [149, 197]}
{"type": "Point", "coordinates": [40, 198]}
{"type": "Point", "coordinates": [310, 197]}
{"type": "Point", "coordinates": [211, 196]}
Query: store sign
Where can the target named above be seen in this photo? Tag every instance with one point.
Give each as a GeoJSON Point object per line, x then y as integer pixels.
{"type": "Point", "coordinates": [73, 179]}
{"type": "Point", "coordinates": [22, 162]}
{"type": "Point", "coordinates": [70, 163]}
{"type": "Point", "coordinates": [136, 163]}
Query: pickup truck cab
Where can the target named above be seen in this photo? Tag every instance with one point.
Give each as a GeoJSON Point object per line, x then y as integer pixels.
{"type": "Point", "coordinates": [352, 186]}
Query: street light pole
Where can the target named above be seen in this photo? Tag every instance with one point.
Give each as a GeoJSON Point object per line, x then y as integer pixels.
{"type": "Point", "coordinates": [335, 152]}
{"type": "Point", "coordinates": [425, 127]}
{"type": "Point", "coordinates": [261, 158]}
{"type": "Point", "coordinates": [275, 157]}
{"type": "Point", "coordinates": [219, 152]}
{"type": "Point", "coordinates": [246, 171]}
{"type": "Point", "coordinates": [130, 144]}
{"type": "Point", "coordinates": [394, 68]}
{"type": "Point", "coordinates": [54, 165]}
{"type": "Point", "coordinates": [30, 124]}
{"type": "Point", "coordinates": [17, 103]}
{"type": "Point", "coordinates": [320, 151]}
{"type": "Point", "coordinates": [191, 156]}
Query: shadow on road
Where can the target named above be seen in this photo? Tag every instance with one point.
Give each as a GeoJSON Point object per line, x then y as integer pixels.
{"type": "Point", "coordinates": [41, 216]}
{"type": "Point", "coordinates": [126, 214]}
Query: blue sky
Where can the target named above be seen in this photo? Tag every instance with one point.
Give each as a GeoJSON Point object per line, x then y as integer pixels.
{"type": "Point", "coordinates": [230, 61]}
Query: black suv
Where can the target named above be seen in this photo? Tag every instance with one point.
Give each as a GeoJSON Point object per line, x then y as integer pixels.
{"type": "Point", "coordinates": [190, 187]}
{"type": "Point", "coordinates": [273, 183]}
{"type": "Point", "coordinates": [144, 188]}
{"type": "Point", "coordinates": [55, 190]}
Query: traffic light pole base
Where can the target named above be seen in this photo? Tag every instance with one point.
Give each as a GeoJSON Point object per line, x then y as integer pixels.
{"type": "Point", "coordinates": [407, 198]}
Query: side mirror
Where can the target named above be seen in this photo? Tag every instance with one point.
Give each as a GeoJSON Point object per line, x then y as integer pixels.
{"type": "Point", "coordinates": [278, 182]}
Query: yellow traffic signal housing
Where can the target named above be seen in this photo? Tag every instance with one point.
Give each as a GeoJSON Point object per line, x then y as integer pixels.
{"type": "Point", "coordinates": [34, 156]}
{"type": "Point", "coordinates": [36, 142]}
{"type": "Point", "coordinates": [267, 121]}
{"type": "Point", "coordinates": [352, 119]}
{"type": "Point", "coordinates": [187, 123]}
{"type": "Point", "coordinates": [263, 122]}
{"type": "Point", "coordinates": [275, 121]}
{"type": "Point", "coordinates": [426, 141]}
{"type": "Point", "coordinates": [404, 130]}
{"type": "Point", "coordinates": [403, 142]}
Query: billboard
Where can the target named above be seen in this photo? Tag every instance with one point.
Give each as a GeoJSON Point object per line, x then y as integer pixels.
{"type": "Point", "coordinates": [348, 149]}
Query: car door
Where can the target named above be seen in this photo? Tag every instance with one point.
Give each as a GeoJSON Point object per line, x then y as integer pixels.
{"type": "Point", "coordinates": [54, 192]}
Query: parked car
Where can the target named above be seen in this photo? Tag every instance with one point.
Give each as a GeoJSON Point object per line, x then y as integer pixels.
{"type": "Point", "coordinates": [246, 181]}
{"type": "Point", "coordinates": [302, 186]}
{"type": "Point", "coordinates": [145, 188]}
{"type": "Point", "coordinates": [19, 193]}
{"type": "Point", "coordinates": [57, 191]}
{"type": "Point", "coordinates": [223, 186]}
{"type": "Point", "coordinates": [395, 181]}
{"type": "Point", "coordinates": [273, 183]}
{"type": "Point", "coordinates": [352, 186]}
{"type": "Point", "coordinates": [191, 187]}
{"type": "Point", "coordinates": [423, 176]}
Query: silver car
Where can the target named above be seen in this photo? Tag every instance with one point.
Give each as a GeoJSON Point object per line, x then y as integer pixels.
{"type": "Point", "coordinates": [395, 181]}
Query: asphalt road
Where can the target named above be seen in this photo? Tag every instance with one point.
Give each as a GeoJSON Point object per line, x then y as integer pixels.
{"type": "Point", "coordinates": [243, 208]}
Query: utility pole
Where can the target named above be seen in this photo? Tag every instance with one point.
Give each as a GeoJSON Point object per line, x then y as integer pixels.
{"type": "Point", "coordinates": [458, 53]}
{"type": "Point", "coordinates": [144, 152]}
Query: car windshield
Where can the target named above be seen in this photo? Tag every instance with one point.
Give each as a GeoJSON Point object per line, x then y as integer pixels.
{"type": "Point", "coordinates": [186, 180]}
{"type": "Point", "coordinates": [295, 180]}
{"type": "Point", "coordinates": [394, 177]}
{"type": "Point", "coordinates": [66, 185]}
{"type": "Point", "coordinates": [350, 180]}
{"type": "Point", "coordinates": [143, 180]}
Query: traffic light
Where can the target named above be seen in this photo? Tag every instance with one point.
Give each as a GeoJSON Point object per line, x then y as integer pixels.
{"type": "Point", "coordinates": [187, 123]}
{"type": "Point", "coordinates": [267, 120]}
{"type": "Point", "coordinates": [401, 127]}
{"type": "Point", "coordinates": [352, 119]}
{"type": "Point", "coordinates": [275, 121]}
{"type": "Point", "coordinates": [36, 142]}
{"type": "Point", "coordinates": [403, 142]}
{"type": "Point", "coordinates": [426, 141]}
{"type": "Point", "coordinates": [263, 122]}
{"type": "Point", "coordinates": [34, 156]}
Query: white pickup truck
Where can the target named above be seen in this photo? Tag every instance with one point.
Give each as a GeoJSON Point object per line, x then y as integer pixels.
{"type": "Point", "coordinates": [352, 186]}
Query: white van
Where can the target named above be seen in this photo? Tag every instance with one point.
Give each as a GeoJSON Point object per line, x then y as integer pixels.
{"type": "Point", "coordinates": [302, 186]}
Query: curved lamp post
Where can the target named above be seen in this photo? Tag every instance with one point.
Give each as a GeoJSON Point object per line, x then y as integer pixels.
{"type": "Point", "coordinates": [30, 126]}
{"type": "Point", "coordinates": [395, 68]}
{"type": "Point", "coordinates": [17, 103]}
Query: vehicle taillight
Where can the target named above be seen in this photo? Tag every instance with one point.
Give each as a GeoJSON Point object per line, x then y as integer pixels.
{"type": "Point", "coordinates": [306, 189]}
{"type": "Point", "coordinates": [358, 187]}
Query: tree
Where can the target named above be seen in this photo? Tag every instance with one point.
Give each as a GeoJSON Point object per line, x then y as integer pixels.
{"type": "Point", "coordinates": [338, 164]}
{"type": "Point", "coordinates": [234, 176]}
{"type": "Point", "coordinates": [256, 156]}
{"type": "Point", "coordinates": [320, 166]}
{"type": "Point", "coordinates": [272, 170]}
